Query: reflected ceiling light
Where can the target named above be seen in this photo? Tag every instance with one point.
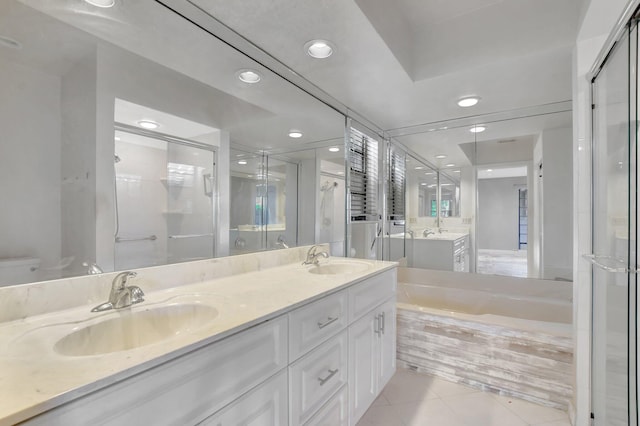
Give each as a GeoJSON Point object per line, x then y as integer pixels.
{"type": "Point", "coordinates": [101, 3]}
{"type": "Point", "coordinates": [423, 183]}
{"type": "Point", "coordinates": [295, 134]}
{"type": "Point", "coordinates": [468, 101]}
{"type": "Point", "coordinates": [443, 128]}
{"type": "Point", "coordinates": [117, 138]}
{"type": "Point", "coordinates": [10, 43]}
{"type": "Point", "coordinates": [419, 167]}
{"type": "Point", "coordinates": [449, 165]}
{"type": "Point", "coordinates": [242, 162]}
{"type": "Point", "coordinates": [432, 130]}
{"type": "Point", "coordinates": [319, 49]}
{"type": "Point", "coordinates": [456, 171]}
{"type": "Point", "coordinates": [249, 76]}
{"type": "Point", "coordinates": [428, 173]}
{"type": "Point", "coordinates": [148, 124]}
{"type": "Point", "coordinates": [477, 129]}
{"type": "Point", "coordinates": [334, 149]}
{"type": "Point", "coordinates": [441, 156]}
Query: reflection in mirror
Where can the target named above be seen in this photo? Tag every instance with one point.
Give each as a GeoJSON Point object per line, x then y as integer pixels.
{"type": "Point", "coordinates": [95, 83]}
{"type": "Point", "coordinates": [500, 232]}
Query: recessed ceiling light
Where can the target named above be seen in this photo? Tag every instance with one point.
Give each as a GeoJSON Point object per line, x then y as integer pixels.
{"type": "Point", "coordinates": [249, 76]}
{"type": "Point", "coordinates": [319, 49]}
{"type": "Point", "coordinates": [101, 3]}
{"type": "Point", "coordinates": [449, 165]}
{"type": "Point", "coordinates": [423, 183]}
{"type": "Point", "coordinates": [295, 134]}
{"type": "Point", "coordinates": [117, 138]}
{"type": "Point", "coordinates": [10, 43]}
{"type": "Point", "coordinates": [441, 156]}
{"type": "Point", "coordinates": [340, 173]}
{"type": "Point", "coordinates": [443, 128]}
{"type": "Point", "coordinates": [469, 101]}
{"type": "Point", "coordinates": [428, 173]}
{"type": "Point", "coordinates": [419, 167]}
{"type": "Point", "coordinates": [242, 162]}
{"type": "Point", "coordinates": [432, 130]}
{"type": "Point", "coordinates": [489, 170]}
{"type": "Point", "coordinates": [456, 171]}
{"type": "Point", "coordinates": [477, 129]}
{"type": "Point", "coordinates": [148, 124]}
{"type": "Point", "coordinates": [334, 149]}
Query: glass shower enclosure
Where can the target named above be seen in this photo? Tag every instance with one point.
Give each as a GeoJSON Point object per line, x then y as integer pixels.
{"type": "Point", "coordinates": [614, 233]}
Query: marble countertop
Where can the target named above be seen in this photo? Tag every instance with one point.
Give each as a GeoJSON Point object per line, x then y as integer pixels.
{"type": "Point", "coordinates": [34, 378]}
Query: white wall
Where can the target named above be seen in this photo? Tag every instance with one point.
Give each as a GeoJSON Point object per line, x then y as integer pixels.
{"type": "Point", "coordinates": [498, 212]}
{"type": "Point", "coordinates": [599, 20]}
{"type": "Point", "coordinates": [557, 205]}
{"type": "Point", "coordinates": [30, 166]}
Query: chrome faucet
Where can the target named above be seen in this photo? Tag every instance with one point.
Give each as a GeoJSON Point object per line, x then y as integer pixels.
{"type": "Point", "coordinates": [121, 295]}
{"type": "Point", "coordinates": [427, 232]}
{"type": "Point", "coordinates": [411, 233]}
{"type": "Point", "coordinates": [313, 255]}
{"type": "Point", "coordinates": [93, 268]}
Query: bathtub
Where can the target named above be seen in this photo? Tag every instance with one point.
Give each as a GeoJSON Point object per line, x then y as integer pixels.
{"type": "Point", "coordinates": [512, 336]}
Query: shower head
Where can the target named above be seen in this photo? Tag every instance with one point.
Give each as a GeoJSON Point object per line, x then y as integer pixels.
{"type": "Point", "coordinates": [116, 158]}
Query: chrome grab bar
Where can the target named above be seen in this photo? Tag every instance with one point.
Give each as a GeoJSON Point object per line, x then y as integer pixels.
{"type": "Point", "coordinates": [127, 239]}
{"type": "Point", "coordinates": [179, 237]}
{"type": "Point", "coordinates": [609, 264]}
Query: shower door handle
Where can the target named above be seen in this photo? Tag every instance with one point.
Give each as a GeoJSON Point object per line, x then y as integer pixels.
{"type": "Point", "coordinates": [382, 317]}
{"type": "Point", "coordinates": [376, 325]}
{"type": "Point", "coordinates": [612, 264]}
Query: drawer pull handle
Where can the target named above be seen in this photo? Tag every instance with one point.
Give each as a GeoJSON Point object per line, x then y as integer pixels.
{"type": "Point", "coordinates": [329, 321]}
{"type": "Point", "coordinates": [326, 379]}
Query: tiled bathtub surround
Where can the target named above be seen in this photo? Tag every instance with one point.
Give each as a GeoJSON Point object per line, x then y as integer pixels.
{"type": "Point", "coordinates": [526, 358]}
{"type": "Point", "coordinates": [25, 300]}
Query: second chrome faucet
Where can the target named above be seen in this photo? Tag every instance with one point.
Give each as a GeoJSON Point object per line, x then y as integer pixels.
{"type": "Point", "coordinates": [121, 295]}
{"type": "Point", "coordinates": [313, 256]}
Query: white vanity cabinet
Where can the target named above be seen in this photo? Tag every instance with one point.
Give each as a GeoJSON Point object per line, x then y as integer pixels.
{"type": "Point", "coordinates": [372, 341]}
{"type": "Point", "coordinates": [300, 368]}
{"type": "Point", "coordinates": [443, 252]}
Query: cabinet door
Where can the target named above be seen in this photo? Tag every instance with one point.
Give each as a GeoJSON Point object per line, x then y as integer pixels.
{"type": "Point", "coordinates": [363, 365]}
{"type": "Point", "coordinates": [387, 349]}
{"type": "Point", "coordinates": [267, 405]}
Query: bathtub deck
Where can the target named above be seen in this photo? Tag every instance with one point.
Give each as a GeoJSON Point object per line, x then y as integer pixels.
{"type": "Point", "coordinates": [532, 366]}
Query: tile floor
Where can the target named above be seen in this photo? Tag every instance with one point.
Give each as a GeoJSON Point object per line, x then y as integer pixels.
{"type": "Point", "coordinates": [512, 263]}
{"type": "Point", "coordinates": [414, 399]}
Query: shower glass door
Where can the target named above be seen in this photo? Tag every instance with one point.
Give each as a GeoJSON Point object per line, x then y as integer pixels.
{"type": "Point", "coordinates": [614, 238]}
{"type": "Point", "coordinates": [164, 196]}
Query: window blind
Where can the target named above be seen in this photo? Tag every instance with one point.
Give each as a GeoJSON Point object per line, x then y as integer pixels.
{"type": "Point", "coordinates": [363, 166]}
{"type": "Point", "coordinates": [396, 184]}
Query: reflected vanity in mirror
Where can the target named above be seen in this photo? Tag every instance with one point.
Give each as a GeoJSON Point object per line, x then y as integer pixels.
{"type": "Point", "coordinates": [121, 139]}
{"type": "Point", "coordinates": [482, 187]}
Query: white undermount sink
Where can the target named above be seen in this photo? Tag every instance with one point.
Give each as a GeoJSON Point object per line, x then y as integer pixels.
{"type": "Point", "coordinates": [338, 268]}
{"type": "Point", "coordinates": [132, 329]}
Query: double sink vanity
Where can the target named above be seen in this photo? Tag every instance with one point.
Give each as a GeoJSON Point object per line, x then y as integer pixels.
{"type": "Point", "coordinates": [253, 339]}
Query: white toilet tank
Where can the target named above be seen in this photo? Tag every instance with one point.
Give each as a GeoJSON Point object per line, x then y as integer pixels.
{"type": "Point", "coordinates": [19, 270]}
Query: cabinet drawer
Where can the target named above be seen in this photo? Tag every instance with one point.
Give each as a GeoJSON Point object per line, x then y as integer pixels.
{"type": "Point", "coordinates": [266, 405]}
{"type": "Point", "coordinates": [333, 413]}
{"type": "Point", "coordinates": [370, 293]}
{"type": "Point", "coordinates": [315, 323]}
{"type": "Point", "coordinates": [315, 377]}
{"type": "Point", "coordinates": [185, 390]}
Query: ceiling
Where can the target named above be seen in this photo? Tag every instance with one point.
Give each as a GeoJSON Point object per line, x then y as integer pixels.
{"type": "Point", "coordinates": [407, 62]}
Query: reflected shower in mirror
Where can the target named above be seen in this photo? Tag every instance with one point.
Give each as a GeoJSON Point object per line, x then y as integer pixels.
{"type": "Point", "coordinates": [95, 83]}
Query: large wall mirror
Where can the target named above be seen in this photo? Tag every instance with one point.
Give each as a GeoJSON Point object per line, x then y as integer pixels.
{"type": "Point", "coordinates": [125, 130]}
{"type": "Point", "coordinates": [503, 204]}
